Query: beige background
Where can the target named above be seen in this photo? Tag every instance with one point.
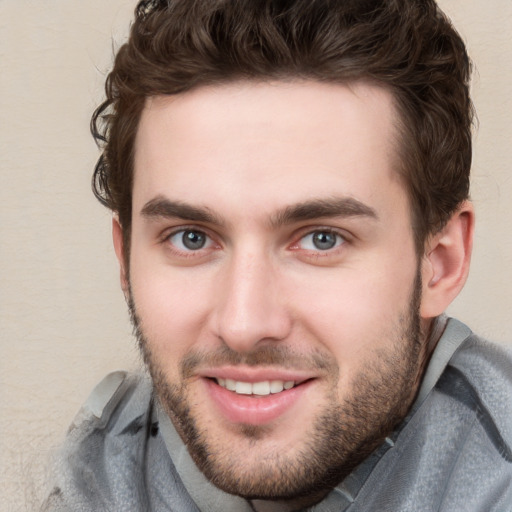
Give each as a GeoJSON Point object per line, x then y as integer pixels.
{"type": "Point", "coordinates": [62, 315]}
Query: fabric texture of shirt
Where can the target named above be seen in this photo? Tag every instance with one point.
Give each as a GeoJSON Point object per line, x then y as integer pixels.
{"type": "Point", "coordinates": [453, 451]}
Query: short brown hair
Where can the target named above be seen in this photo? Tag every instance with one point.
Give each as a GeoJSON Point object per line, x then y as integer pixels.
{"type": "Point", "coordinates": [407, 46]}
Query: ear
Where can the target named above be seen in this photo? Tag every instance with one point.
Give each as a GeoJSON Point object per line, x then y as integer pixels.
{"type": "Point", "coordinates": [117, 236]}
{"type": "Point", "coordinates": [445, 266]}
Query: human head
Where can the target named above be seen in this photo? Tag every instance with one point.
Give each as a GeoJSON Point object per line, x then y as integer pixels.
{"type": "Point", "coordinates": [270, 120]}
{"type": "Point", "coordinates": [406, 46]}
{"type": "Point", "coordinates": [272, 243]}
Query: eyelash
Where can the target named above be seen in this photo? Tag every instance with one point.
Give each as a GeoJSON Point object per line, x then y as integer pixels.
{"type": "Point", "coordinates": [341, 240]}
{"type": "Point", "coordinates": [190, 253]}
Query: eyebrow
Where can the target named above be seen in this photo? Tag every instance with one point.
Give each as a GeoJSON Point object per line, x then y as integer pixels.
{"type": "Point", "coordinates": [161, 207]}
{"type": "Point", "coordinates": [318, 208]}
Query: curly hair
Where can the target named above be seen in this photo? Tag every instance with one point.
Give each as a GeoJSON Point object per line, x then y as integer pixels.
{"type": "Point", "coordinates": [407, 46]}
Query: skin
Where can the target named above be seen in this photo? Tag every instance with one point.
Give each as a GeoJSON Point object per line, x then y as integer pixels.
{"type": "Point", "coordinates": [259, 169]}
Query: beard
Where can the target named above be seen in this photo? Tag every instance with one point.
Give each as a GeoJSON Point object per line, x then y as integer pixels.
{"type": "Point", "coordinates": [344, 433]}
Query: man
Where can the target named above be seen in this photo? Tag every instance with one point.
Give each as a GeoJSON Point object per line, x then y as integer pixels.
{"type": "Point", "coordinates": [289, 182]}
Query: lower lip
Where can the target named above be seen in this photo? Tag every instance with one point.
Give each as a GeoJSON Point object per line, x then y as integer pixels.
{"type": "Point", "coordinates": [252, 409]}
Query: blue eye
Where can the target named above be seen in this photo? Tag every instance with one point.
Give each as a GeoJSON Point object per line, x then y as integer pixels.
{"type": "Point", "coordinates": [321, 241]}
{"type": "Point", "coordinates": [190, 240]}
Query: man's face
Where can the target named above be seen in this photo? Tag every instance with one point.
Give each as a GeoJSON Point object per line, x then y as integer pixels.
{"type": "Point", "coordinates": [274, 279]}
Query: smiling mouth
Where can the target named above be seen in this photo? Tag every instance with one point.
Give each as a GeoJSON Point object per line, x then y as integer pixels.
{"type": "Point", "coordinates": [263, 388]}
{"type": "Point", "coordinates": [254, 401]}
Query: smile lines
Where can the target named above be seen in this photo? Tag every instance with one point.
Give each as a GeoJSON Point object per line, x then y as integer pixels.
{"type": "Point", "coordinates": [263, 388]}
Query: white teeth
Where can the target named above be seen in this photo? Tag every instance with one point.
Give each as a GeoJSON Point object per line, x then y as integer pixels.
{"type": "Point", "coordinates": [256, 388]}
{"type": "Point", "coordinates": [230, 384]}
{"type": "Point", "coordinates": [276, 386]}
{"type": "Point", "coordinates": [261, 388]}
{"type": "Point", "coordinates": [243, 388]}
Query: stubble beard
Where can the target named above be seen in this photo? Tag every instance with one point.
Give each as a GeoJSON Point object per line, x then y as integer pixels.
{"type": "Point", "coordinates": [341, 437]}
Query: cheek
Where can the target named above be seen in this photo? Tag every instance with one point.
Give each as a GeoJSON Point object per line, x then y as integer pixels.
{"type": "Point", "coordinates": [354, 312]}
{"type": "Point", "coordinates": [171, 308]}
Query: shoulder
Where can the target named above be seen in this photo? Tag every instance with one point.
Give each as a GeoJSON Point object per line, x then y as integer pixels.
{"type": "Point", "coordinates": [104, 448]}
{"type": "Point", "coordinates": [121, 403]}
{"type": "Point", "coordinates": [455, 450]}
{"type": "Point", "coordinates": [108, 392]}
{"type": "Point", "coordinates": [476, 352]}
{"type": "Point", "coordinates": [480, 375]}
{"type": "Point", "coordinates": [119, 396]}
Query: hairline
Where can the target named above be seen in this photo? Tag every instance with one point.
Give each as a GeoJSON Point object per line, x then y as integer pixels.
{"type": "Point", "coordinates": [399, 150]}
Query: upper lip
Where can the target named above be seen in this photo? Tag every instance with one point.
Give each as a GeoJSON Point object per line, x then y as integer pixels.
{"type": "Point", "coordinates": [251, 374]}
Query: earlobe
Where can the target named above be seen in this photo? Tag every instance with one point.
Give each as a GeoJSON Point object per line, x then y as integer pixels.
{"type": "Point", "coordinates": [445, 266]}
{"type": "Point", "coordinates": [117, 237]}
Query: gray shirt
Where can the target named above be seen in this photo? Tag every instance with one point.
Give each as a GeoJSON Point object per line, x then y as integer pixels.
{"type": "Point", "coordinates": [453, 452]}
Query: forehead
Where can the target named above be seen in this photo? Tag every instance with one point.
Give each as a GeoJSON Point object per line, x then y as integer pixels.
{"type": "Point", "coordinates": [267, 144]}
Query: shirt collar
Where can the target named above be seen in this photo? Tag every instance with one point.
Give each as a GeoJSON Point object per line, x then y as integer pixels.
{"type": "Point", "coordinates": [206, 496]}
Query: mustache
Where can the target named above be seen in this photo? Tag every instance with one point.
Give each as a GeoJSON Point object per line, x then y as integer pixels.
{"type": "Point", "coordinates": [276, 355]}
{"type": "Point", "coordinates": [270, 355]}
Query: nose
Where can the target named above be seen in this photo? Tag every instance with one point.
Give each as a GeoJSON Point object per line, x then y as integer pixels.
{"type": "Point", "coordinates": [252, 306]}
